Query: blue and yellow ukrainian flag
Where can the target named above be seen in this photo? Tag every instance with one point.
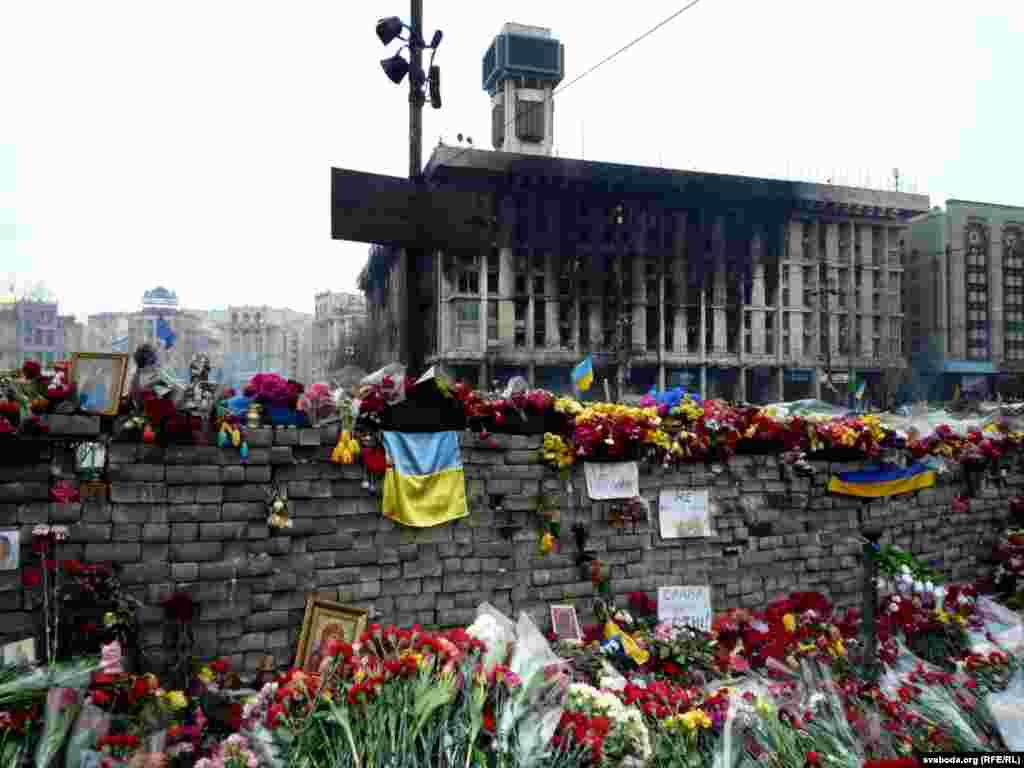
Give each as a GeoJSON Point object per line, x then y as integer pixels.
{"type": "Point", "coordinates": [861, 389]}
{"type": "Point", "coordinates": [425, 484]}
{"type": "Point", "coordinates": [882, 481]}
{"type": "Point", "coordinates": [583, 374]}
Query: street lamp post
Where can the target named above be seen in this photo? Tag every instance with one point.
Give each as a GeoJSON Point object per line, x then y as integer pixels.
{"type": "Point", "coordinates": [396, 68]}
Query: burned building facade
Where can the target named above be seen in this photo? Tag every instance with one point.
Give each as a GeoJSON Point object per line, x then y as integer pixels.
{"type": "Point", "coordinates": [735, 287]}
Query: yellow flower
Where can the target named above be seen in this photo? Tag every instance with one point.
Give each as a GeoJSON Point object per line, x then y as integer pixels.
{"type": "Point", "coordinates": [838, 649]}
{"type": "Point", "coordinates": [789, 622]}
{"type": "Point", "coordinates": [568, 406]}
{"type": "Point", "coordinates": [695, 719]}
{"type": "Point", "coordinates": [556, 452]}
{"type": "Point", "coordinates": [547, 543]}
{"type": "Point", "coordinates": [206, 675]}
{"type": "Point", "coordinates": [659, 438]}
{"type": "Point", "coordinates": [941, 616]}
{"type": "Point", "coordinates": [176, 699]}
{"type": "Point", "coordinates": [327, 697]}
{"type": "Point", "coordinates": [416, 657]}
{"type": "Point", "coordinates": [763, 707]}
{"type": "Point", "coordinates": [960, 620]}
{"type": "Point", "coordinates": [109, 619]}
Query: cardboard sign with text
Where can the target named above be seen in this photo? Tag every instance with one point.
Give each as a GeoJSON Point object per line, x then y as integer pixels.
{"type": "Point", "coordinates": [684, 513]}
{"type": "Point", "coordinates": [689, 606]}
{"type": "Point", "coordinates": [618, 480]}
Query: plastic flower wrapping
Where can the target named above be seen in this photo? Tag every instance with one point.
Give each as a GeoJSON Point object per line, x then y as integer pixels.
{"type": "Point", "coordinates": [318, 402]}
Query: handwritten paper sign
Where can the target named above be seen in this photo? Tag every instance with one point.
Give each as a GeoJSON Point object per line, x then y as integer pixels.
{"type": "Point", "coordinates": [689, 606]}
{"type": "Point", "coordinates": [684, 514]}
{"type": "Point", "coordinates": [565, 623]}
{"type": "Point", "coordinates": [620, 480]}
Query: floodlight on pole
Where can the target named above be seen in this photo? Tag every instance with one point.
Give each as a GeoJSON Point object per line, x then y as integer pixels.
{"type": "Point", "coordinates": [395, 67]}
{"type": "Point", "coordinates": [389, 29]}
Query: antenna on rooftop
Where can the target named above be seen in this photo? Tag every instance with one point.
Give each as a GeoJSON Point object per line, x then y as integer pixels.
{"type": "Point", "coordinates": [896, 179]}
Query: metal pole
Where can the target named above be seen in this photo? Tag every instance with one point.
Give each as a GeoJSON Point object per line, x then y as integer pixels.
{"type": "Point", "coordinates": [851, 338]}
{"type": "Point", "coordinates": [415, 89]}
{"type": "Point", "coordinates": [413, 352]}
{"type": "Point", "coordinates": [828, 333]}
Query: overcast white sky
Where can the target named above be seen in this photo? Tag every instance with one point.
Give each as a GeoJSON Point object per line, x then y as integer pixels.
{"type": "Point", "coordinates": [189, 144]}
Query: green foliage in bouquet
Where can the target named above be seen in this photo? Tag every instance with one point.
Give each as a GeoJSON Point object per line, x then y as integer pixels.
{"type": "Point", "coordinates": [893, 561]}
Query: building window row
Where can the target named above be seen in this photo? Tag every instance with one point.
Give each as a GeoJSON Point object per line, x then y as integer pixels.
{"type": "Point", "coordinates": [976, 278]}
{"type": "Point", "coordinates": [1013, 295]}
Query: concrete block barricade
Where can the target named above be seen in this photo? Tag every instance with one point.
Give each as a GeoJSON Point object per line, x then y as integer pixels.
{"type": "Point", "coordinates": [194, 519]}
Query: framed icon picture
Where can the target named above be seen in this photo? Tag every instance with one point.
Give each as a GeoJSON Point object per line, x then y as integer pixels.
{"type": "Point", "coordinates": [325, 621]}
{"type": "Point", "coordinates": [9, 549]}
{"type": "Point", "coordinates": [565, 623]}
{"type": "Point", "coordinates": [99, 381]}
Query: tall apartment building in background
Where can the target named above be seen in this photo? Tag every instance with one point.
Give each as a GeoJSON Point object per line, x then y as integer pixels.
{"type": "Point", "coordinates": [32, 328]}
{"type": "Point", "coordinates": [40, 331]}
{"type": "Point", "coordinates": [737, 287]}
{"type": "Point", "coordinates": [8, 336]}
{"type": "Point", "coordinates": [338, 319]}
{"type": "Point", "coordinates": [264, 339]}
{"type": "Point", "coordinates": [966, 298]}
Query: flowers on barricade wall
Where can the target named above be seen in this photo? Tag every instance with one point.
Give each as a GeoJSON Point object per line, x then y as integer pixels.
{"type": "Point", "coordinates": [601, 723]}
{"type": "Point", "coordinates": [780, 685]}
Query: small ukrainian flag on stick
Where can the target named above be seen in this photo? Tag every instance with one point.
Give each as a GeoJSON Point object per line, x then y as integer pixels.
{"type": "Point", "coordinates": [583, 375]}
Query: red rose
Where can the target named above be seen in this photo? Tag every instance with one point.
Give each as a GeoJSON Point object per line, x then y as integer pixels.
{"type": "Point", "coordinates": [333, 647]}
{"type": "Point", "coordinates": [41, 544]}
{"type": "Point", "coordinates": [31, 370]}
{"type": "Point", "coordinates": [101, 698]}
{"type": "Point", "coordinates": [140, 688]}
{"type": "Point", "coordinates": [31, 577]}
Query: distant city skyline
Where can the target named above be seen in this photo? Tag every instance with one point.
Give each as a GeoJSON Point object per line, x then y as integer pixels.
{"type": "Point", "coordinates": [125, 164]}
{"type": "Point", "coordinates": [25, 288]}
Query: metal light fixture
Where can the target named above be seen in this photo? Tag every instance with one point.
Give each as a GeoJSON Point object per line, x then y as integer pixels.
{"type": "Point", "coordinates": [389, 29]}
{"type": "Point", "coordinates": [395, 67]}
{"type": "Point", "coordinates": [434, 80]}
